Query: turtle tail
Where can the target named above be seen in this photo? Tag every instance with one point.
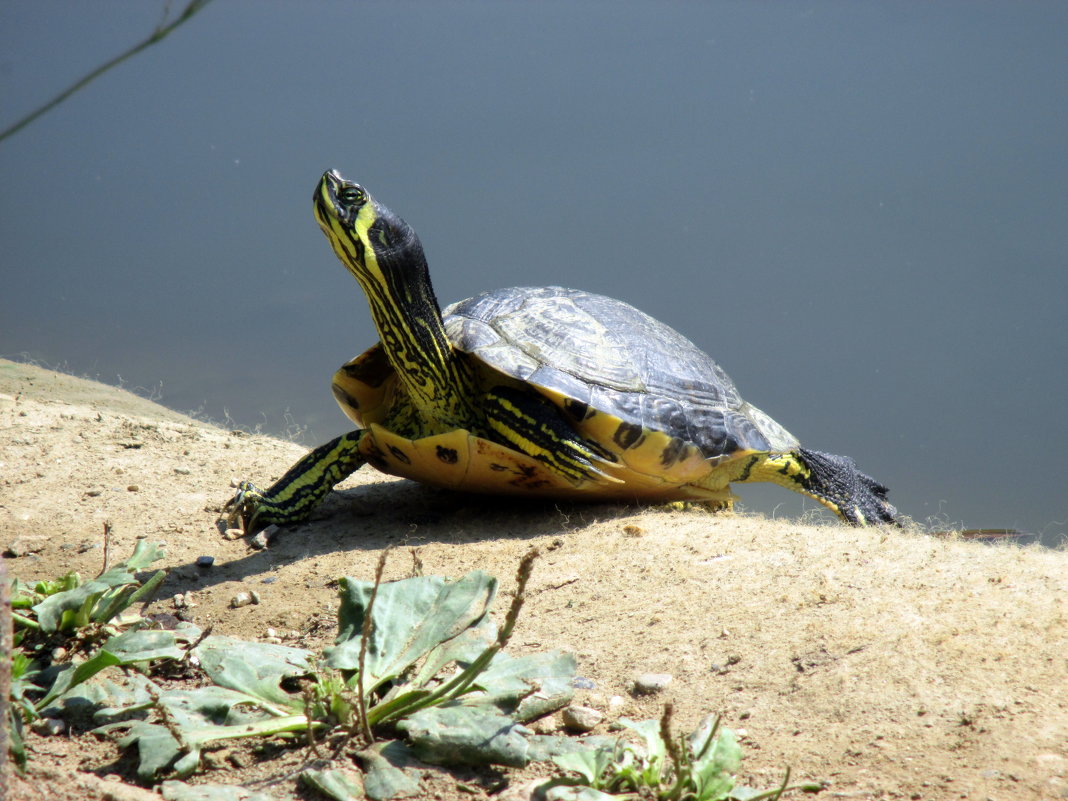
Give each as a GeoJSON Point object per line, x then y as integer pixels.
{"type": "Point", "coordinates": [836, 482]}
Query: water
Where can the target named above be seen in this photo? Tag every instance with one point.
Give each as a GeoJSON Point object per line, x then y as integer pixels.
{"type": "Point", "coordinates": [858, 209]}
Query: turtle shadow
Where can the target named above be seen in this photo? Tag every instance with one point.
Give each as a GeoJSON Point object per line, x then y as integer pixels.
{"type": "Point", "coordinates": [399, 514]}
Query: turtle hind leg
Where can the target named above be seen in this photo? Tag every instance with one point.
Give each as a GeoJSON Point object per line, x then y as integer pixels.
{"type": "Point", "coordinates": [292, 498]}
{"type": "Point", "coordinates": [832, 480]}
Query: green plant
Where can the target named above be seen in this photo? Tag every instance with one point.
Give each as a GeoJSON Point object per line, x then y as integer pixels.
{"type": "Point", "coordinates": [697, 767]}
{"type": "Point", "coordinates": [418, 669]}
{"type": "Point", "coordinates": [67, 605]}
{"type": "Point", "coordinates": [69, 614]}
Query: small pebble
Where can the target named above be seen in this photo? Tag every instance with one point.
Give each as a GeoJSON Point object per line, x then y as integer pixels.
{"type": "Point", "coordinates": [59, 654]}
{"type": "Point", "coordinates": [165, 621]}
{"type": "Point", "coordinates": [182, 471]}
{"type": "Point", "coordinates": [205, 561]}
{"type": "Point", "coordinates": [582, 683]}
{"type": "Point", "coordinates": [133, 488]}
{"type": "Point", "coordinates": [23, 546]}
{"type": "Point", "coordinates": [259, 541]}
{"type": "Point", "coordinates": [581, 718]}
{"type": "Point", "coordinates": [546, 725]}
{"type": "Point", "coordinates": [651, 683]}
{"type": "Point", "coordinates": [49, 727]}
{"type": "Point", "coordinates": [92, 493]}
{"type": "Point", "coordinates": [616, 702]}
{"type": "Point", "coordinates": [233, 534]}
{"type": "Point", "coordinates": [241, 599]}
{"type": "Point", "coordinates": [269, 580]}
{"type": "Point", "coordinates": [255, 596]}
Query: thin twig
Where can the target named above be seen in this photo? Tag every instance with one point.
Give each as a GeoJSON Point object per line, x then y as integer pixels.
{"type": "Point", "coordinates": [522, 577]}
{"type": "Point", "coordinates": [365, 635]}
{"type": "Point", "coordinates": [203, 636]}
{"type": "Point", "coordinates": [159, 33]}
{"type": "Point", "coordinates": [107, 548]}
{"type": "Point", "coordinates": [168, 721]}
{"type": "Point", "coordinates": [308, 704]}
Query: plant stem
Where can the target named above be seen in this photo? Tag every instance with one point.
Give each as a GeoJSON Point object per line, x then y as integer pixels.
{"type": "Point", "coordinates": [365, 636]}
{"type": "Point", "coordinates": [24, 621]}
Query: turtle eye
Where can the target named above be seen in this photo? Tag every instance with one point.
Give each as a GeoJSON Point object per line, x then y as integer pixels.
{"type": "Point", "coordinates": [352, 195]}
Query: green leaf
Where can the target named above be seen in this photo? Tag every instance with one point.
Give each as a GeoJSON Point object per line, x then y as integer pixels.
{"type": "Point", "coordinates": [528, 686]}
{"type": "Point", "coordinates": [71, 675]}
{"type": "Point", "coordinates": [589, 763]}
{"type": "Point", "coordinates": [713, 772]}
{"type": "Point", "coordinates": [384, 775]}
{"type": "Point", "coordinates": [156, 748]}
{"type": "Point", "coordinates": [339, 784]}
{"type": "Point", "coordinates": [127, 648]}
{"type": "Point", "coordinates": [411, 617]}
{"type": "Point", "coordinates": [73, 607]}
{"type": "Point", "coordinates": [254, 668]}
{"type": "Point", "coordinates": [454, 734]}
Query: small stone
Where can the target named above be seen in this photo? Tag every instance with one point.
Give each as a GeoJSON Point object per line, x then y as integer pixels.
{"type": "Point", "coordinates": [94, 492]}
{"type": "Point", "coordinates": [233, 534]}
{"type": "Point", "coordinates": [582, 683]}
{"type": "Point", "coordinates": [616, 702]}
{"type": "Point", "coordinates": [59, 654]}
{"type": "Point", "coordinates": [241, 599]}
{"type": "Point", "coordinates": [49, 727]}
{"type": "Point", "coordinates": [271, 632]}
{"type": "Point", "coordinates": [581, 718]}
{"type": "Point", "coordinates": [255, 596]}
{"type": "Point", "coordinates": [23, 546]}
{"type": "Point", "coordinates": [651, 683]}
{"type": "Point", "coordinates": [133, 488]}
{"type": "Point", "coordinates": [259, 541]}
{"type": "Point", "coordinates": [205, 561]}
{"type": "Point", "coordinates": [546, 725]}
{"type": "Point", "coordinates": [182, 471]}
{"type": "Point", "coordinates": [164, 621]}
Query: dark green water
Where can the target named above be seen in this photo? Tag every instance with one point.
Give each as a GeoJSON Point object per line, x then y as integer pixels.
{"type": "Point", "coordinates": [860, 210]}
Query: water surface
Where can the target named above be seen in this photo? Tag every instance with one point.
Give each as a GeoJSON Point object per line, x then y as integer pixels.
{"type": "Point", "coordinates": [860, 210]}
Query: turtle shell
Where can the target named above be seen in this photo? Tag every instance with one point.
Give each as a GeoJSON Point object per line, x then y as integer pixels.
{"type": "Point", "coordinates": [595, 355]}
{"type": "Point", "coordinates": [666, 417]}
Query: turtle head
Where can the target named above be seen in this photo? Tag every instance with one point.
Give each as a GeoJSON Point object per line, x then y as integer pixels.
{"type": "Point", "coordinates": [377, 246]}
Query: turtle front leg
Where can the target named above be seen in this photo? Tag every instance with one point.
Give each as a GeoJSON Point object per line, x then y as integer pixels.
{"type": "Point", "coordinates": [292, 498]}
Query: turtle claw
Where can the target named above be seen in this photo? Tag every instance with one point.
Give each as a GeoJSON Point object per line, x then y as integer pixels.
{"type": "Point", "coordinates": [242, 510]}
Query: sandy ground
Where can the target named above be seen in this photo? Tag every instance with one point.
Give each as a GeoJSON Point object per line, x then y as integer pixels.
{"type": "Point", "coordinates": [888, 664]}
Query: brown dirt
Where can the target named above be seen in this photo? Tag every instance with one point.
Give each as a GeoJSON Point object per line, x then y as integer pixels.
{"type": "Point", "coordinates": [889, 664]}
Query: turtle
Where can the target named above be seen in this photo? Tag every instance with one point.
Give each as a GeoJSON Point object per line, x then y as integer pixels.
{"type": "Point", "coordinates": [535, 391]}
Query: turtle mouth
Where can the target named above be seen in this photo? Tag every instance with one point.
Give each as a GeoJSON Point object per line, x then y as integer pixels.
{"type": "Point", "coordinates": [325, 198]}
